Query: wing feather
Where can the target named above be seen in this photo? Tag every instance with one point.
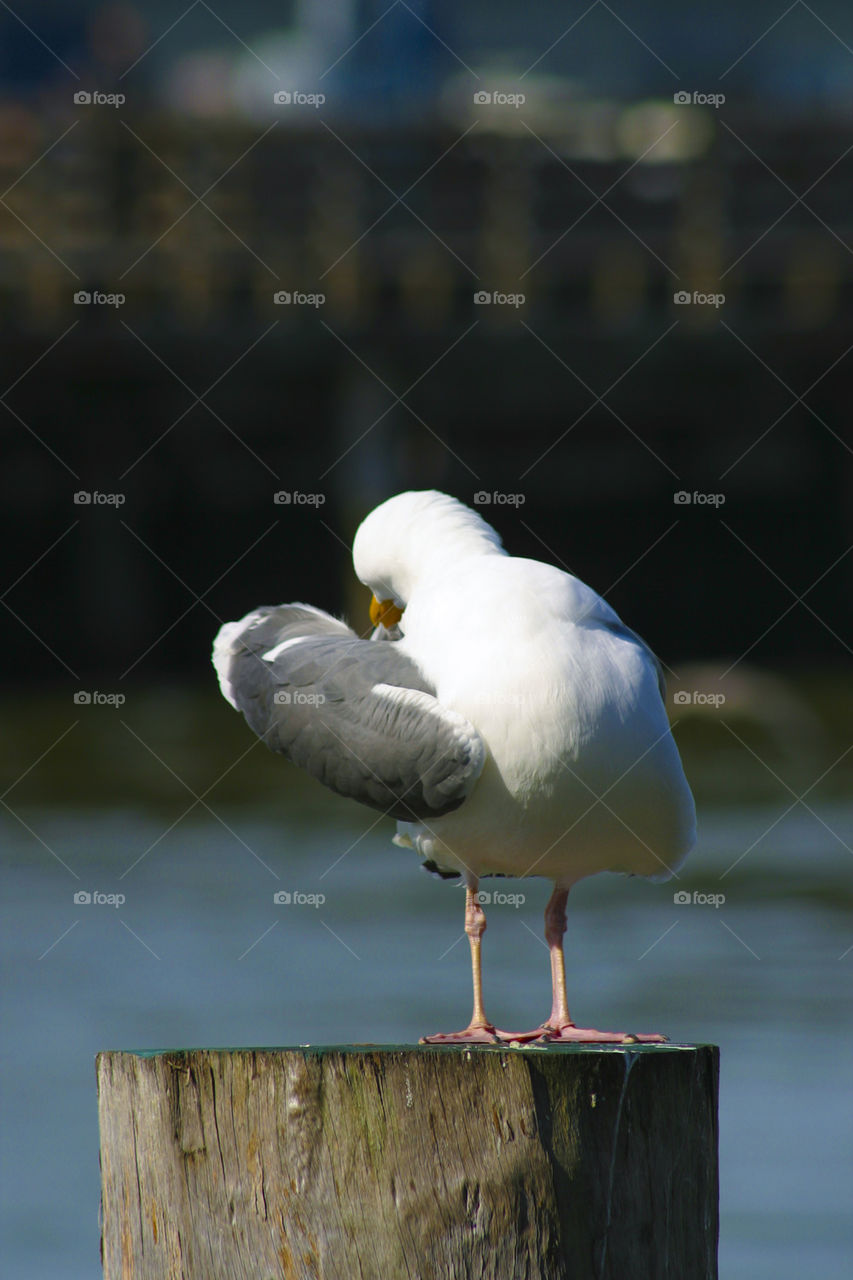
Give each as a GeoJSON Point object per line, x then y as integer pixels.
{"type": "Point", "coordinates": [358, 716]}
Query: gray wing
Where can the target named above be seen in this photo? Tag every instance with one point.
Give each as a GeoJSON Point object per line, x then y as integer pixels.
{"type": "Point", "coordinates": [358, 716]}
{"type": "Point", "coordinates": [619, 629]}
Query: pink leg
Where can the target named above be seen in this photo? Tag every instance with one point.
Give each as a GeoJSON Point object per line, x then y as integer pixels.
{"type": "Point", "coordinates": [479, 1030]}
{"type": "Point", "coordinates": [559, 1029]}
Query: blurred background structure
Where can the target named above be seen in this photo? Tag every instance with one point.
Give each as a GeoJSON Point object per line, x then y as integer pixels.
{"type": "Point", "coordinates": [397, 200]}
{"type": "Point", "coordinates": [589, 267]}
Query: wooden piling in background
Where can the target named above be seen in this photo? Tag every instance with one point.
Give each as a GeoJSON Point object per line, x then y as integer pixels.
{"type": "Point", "coordinates": [562, 1163]}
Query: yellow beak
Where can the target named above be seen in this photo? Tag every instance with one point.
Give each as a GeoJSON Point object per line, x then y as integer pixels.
{"type": "Point", "coordinates": [384, 611]}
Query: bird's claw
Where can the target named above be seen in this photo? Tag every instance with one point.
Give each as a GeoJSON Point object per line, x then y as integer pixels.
{"type": "Point", "coordinates": [471, 1035]}
{"type": "Point", "coordinates": [570, 1034]}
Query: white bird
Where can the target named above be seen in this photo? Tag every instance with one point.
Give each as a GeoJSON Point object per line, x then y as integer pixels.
{"type": "Point", "coordinates": [513, 725]}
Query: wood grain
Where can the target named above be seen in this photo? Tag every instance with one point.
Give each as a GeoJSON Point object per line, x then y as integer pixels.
{"type": "Point", "coordinates": [411, 1161]}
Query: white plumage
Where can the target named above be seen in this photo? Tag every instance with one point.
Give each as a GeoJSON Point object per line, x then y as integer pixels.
{"type": "Point", "coordinates": [582, 774]}
{"type": "Point", "coordinates": [513, 724]}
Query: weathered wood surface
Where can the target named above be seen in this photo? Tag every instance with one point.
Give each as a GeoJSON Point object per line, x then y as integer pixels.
{"type": "Point", "coordinates": [429, 1163]}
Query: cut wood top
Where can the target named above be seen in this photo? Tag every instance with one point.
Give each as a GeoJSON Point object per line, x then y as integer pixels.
{"type": "Point", "coordinates": [319, 1050]}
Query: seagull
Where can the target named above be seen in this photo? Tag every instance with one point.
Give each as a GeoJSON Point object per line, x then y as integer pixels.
{"type": "Point", "coordinates": [501, 712]}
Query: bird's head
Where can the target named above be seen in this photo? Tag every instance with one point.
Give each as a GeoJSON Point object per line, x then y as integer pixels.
{"type": "Point", "coordinates": [410, 537]}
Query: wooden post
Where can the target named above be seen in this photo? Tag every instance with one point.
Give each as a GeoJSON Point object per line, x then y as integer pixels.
{"type": "Point", "coordinates": [435, 1163]}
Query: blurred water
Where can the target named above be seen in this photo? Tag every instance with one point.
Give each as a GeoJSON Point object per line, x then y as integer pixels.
{"type": "Point", "coordinates": [199, 954]}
